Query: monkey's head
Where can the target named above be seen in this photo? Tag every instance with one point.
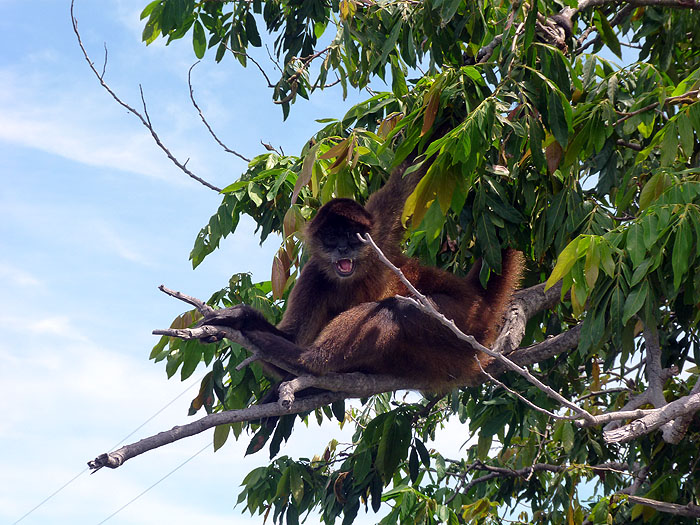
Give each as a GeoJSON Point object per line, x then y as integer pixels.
{"type": "Point", "coordinates": [332, 237]}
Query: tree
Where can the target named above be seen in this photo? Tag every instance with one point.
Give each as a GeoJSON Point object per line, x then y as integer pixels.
{"type": "Point", "coordinates": [546, 144]}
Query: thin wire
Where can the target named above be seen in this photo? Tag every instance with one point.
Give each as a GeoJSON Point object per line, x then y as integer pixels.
{"type": "Point", "coordinates": [156, 483]}
{"type": "Point", "coordinates": [47, 498]}
{"type": "Point", "coordinates": [156, 414]}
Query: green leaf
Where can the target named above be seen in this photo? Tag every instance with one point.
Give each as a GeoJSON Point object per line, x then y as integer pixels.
{"type": "Point", "coordinates": [251, 30]}
{"type": "Point", "coordinates": [635, 301]}
{"type": "Point", "coordinates": [484, 445]}
{"type": "Point", "coordinates": [592, 264]}
{"type": "Point", "coordinates": [488, 240]}
{"type": "Point", "coordinates": [440, 466]}
{"type": "Point", "coordinates": [199, 41]}
{"type": "Point", "coordinates": [296, 484]}
{"type": "Point", "coordinates": [393, 444]}
{"type": "Point", "coordinates": [423, 452]}
{"type": "Point", "coordinates": [220, 436]}
{"type": "Point", "coordinates": [641, 271]}
{"type": "Point", "coordinates": [413, 465]}
{"type": "Point", "coordinates": [635, 243]}
{"type": "Point", "coordinates": [149, 8]}
{"type": "Point", "coordinates": [567, 437]}
{"type": "Point", "coordinates": [338, 409]}
{"type": "Point", "coordinates": [159, 347]}
{"type": "Point", "coordinates": [255, 193]}
{"type": "Point", "coordinates": [681, 252]}
{"type": "Point", "coordinates": [565, 262]}
{"type": "Point", "coordinates": [653, 189]}
{"type": "Point", "coordinates": [669, 144]}
{"type": "Point", "coordinates": [606, 260]}
{"type": "Point", "coordinates": [607, 34]}
{"type": "Point", "coordinates": [557, 118]}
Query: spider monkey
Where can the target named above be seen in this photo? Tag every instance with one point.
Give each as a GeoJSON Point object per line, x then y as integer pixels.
{"type": "Point", "coordinates": [342, 314]}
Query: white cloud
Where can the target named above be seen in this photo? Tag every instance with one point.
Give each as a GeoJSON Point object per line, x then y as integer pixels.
{"type": "Point", "coordinates": [14, 276]}
{"type": "Point", "coordinates": [72, 125]}
{"type": "Point", "coordinates": [120, 245]}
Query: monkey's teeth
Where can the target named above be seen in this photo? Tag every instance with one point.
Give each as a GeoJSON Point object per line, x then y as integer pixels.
{"type": "Point", "coordinates": [345, 266]}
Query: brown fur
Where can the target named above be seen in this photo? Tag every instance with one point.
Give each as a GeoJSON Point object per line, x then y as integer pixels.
{"type": "Point", "coordinates": [355, 323]}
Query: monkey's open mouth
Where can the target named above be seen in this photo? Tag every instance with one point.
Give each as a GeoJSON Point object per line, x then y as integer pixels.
{"type": "Point", "coordinates": [344, 267]}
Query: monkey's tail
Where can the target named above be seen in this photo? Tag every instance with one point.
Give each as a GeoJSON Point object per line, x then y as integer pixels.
{"type": "Point", "coordinates": [499, 290]}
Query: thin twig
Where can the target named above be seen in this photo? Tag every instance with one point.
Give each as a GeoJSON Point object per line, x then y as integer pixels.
{"type": "Point", "coordinates": [144, 120]}
{"type": "Point", "coordinates": [200, 305]}
{"type": "Point", "coordinates": [521, 397]}
{"type": "Point", "coordinates": [204, 120]}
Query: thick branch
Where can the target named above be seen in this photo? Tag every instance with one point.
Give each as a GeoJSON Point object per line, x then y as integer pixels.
{"type": "Point", "coordinates": [689, 510]}
{"type": "Point", "coordinates": [119, 456]}
{"type": "Point", "coordinates": [682, 407]}
{"type": "Point", "coordinates": [208, 331]}
{"type": "Point", "coordinates": [142, 117]}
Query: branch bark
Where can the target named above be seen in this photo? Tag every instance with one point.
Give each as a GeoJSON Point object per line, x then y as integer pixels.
{"type": "Point", "coordinates": [689, 510]}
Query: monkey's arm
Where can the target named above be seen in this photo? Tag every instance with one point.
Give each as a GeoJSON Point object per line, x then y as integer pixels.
{"type": "Point", "coordinates": [241, 317]}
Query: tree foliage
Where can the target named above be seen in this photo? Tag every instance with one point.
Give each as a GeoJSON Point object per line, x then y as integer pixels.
{"type": "Point", "coordinates": [568, 131]}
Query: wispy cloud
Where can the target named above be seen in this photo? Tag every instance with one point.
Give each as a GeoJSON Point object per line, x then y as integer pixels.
{"type": "Point", "coordinates": [13, 276]}
{"type": "Point", "coordinates": [72, 125]}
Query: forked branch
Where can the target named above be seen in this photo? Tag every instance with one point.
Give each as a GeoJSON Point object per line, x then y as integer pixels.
{"type": "Point", "coordinates": [143, 117]}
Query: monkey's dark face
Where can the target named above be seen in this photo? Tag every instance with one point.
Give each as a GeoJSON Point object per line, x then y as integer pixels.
{"type": "Point", "coordinates": [342, 246]}
{"type": "Point", "coordinates": [332, 238]}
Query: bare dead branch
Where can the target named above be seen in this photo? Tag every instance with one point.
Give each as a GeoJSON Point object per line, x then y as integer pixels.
{"type": "Point", "coordinates": [521, 397]}
{"type": "Point", "coordinates": [145, 120]}
{"type": "Point", "coordinates": [119, 456]}
{"type": "Point", "coordinates": [681, 407]}
{"type": "Point", "coordinates": [204, 120]}
{"type": "Point", "coordinates": [548, 348]}
{"type": "Point", "coordinates": [200, 305]}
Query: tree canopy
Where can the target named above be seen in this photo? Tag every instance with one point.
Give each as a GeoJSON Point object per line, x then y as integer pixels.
{"type": "Point", "coordinates": [568, 130]}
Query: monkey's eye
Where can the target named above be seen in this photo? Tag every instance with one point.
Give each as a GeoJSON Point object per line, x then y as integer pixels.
{"type": "Point", "coordinates": [329, 239]}
{"type": "Point", "coordinates": [353, 240]}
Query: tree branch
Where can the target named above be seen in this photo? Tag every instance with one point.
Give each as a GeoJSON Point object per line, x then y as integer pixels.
{"type": "Point", "coordinates": [525, 472]}
{"type": "Point", "coordinates": [689, 510]}
{"type": "Point", "coordinates": [143, 118]}
{"type": "Point", "coordinates": [680, 408]}
{"type": "Point", "coordinates": [119, 456]}
{"type": "Point", "coordinates": [204, 120]}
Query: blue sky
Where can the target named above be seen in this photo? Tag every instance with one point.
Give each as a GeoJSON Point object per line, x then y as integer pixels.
{"type": "Point", "coordinates": [93, 217]}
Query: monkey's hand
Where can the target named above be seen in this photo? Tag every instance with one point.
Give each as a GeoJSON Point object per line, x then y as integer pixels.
{"type": "Point", "coordinates": [240, 317]}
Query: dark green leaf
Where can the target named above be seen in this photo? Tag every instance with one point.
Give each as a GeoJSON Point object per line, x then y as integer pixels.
{"type": "Point", "coordinates": [199, 41]}
{"type": "Point", "coordinates": [635, 301]}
